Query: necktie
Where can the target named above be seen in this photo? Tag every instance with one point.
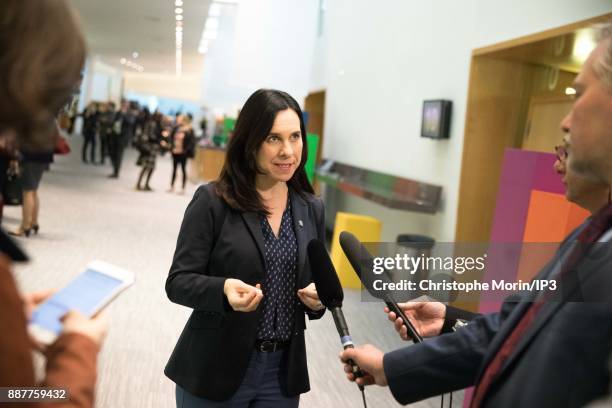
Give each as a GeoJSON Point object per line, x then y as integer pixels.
{"type": "Point", "coordinates": [600, 223]}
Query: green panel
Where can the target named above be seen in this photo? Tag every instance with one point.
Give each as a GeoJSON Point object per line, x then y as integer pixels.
{"type": "Point", "coordinates": [228, 124]}
{"type": "Point", "coordinates": [313, 147]}
{"type": "Point", "coordinates": [228, 128]}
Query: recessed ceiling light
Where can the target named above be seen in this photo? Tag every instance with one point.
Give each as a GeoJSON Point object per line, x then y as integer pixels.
{"type": "Point", "coordinates": [178, 10]}
{"type": "Point", "coordinates": [178, 3]}
{"type": "Point", "coordinates": [135, 55]}
{"type": "Point", "coordinates": [179, 17]}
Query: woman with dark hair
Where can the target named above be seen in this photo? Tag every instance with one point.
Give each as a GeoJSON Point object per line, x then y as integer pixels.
{"type": "Point", "coordinates": [241, 264]}
{"type": "Point", "coordinates": [42, 52]}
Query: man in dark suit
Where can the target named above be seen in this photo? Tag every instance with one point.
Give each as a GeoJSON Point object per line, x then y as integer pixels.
{"type": "Point", "coordinates": [119, 137]}
{"type": "Point", "coordinates": [533, 352]}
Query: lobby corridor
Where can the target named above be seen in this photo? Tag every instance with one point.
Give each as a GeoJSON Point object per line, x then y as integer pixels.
{"type": "Point", "coordinates": [86, 216]}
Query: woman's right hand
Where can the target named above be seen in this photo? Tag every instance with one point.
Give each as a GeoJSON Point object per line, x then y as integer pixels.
{"type": "Point", "coordinates": [241, 296]}
{"type": "Point", "coordinates": [427, 318]}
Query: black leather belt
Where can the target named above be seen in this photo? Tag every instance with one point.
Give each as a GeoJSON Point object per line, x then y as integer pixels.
{"type": "Point", "coordinates": [269, 346]}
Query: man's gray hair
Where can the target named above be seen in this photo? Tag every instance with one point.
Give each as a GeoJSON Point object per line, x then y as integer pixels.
{"type": "Point", "coordinates": [603, 67]}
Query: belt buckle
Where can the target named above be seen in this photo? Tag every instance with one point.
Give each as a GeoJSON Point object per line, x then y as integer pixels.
{"type": "Point", "coordinates": [267, 346]}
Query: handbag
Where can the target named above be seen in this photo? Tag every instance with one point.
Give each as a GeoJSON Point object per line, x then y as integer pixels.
{"type": "Point", "coordinates": [12, 193]}
{"type": "Point", "coordinates": [61, 145]}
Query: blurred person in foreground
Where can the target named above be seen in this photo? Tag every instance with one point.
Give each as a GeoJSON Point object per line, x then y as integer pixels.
{"type": "Point", "coordinates": [42, 52]}
{"type": "Point", "coordinates": [536, 352]}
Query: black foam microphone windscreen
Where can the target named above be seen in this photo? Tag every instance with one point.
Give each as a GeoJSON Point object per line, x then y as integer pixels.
{"type": "Point", "coordinates": [324, 275]}
{"type": "Point", "coordinates": [359, 257]}
{"type": "Point", "coordinates": [330, 293]}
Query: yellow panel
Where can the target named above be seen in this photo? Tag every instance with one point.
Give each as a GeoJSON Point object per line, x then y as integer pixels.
{"type": "Point", "coordinates": [366, 229]}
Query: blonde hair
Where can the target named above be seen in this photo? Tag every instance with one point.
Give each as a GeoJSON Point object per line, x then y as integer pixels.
{"type": "Point", "coordinates": [42, 51]}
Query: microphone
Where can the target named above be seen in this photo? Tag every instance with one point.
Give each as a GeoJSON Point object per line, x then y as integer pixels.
{"type": "Point", "coordinates": [330, 293]}
{"type": "Point", "coordinates": [359, 256]}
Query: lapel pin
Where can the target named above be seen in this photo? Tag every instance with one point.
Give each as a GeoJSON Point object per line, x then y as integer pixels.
{"type": "Point", "coordinates": [300, 223]}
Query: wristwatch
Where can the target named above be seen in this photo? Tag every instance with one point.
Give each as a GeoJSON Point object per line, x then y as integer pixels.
{"type": "Point", "coordinates": [459, 323]}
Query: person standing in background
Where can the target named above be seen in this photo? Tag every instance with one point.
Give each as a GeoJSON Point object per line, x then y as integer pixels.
{"type": "Point", "coordinates": [119, 137]}
{"type": "Point", "coordinates": [33, 163]}
{"type": "Point", "coordinates": [106, 113]}
{"type": "Point", "coordinates": [149, 146]}
{"type": "Point", "coordinates": [90, 124]}
{"type": "Point", "coordinates": [182, 146]}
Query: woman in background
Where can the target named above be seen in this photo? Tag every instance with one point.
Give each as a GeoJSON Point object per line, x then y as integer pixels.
{"type": "Point", "coordinates": [149, 146]}
{"type": "Point", "coordinates": [182, 145]}
{"type": "Point", "coordinates": [34, 162]}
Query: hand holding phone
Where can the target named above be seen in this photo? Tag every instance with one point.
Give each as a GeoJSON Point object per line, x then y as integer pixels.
{"type": "Point", "coordinates": [95, 328]}
{"type": "Point", "coordinates": [87, 294]}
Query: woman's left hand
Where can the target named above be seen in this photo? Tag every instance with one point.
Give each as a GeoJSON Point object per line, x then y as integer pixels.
{"type": "Point", "coordinates": [33, 299]}
{"type": "Point", "coordinates": [310, 298]}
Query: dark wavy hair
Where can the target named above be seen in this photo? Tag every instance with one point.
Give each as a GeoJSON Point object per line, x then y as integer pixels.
{"type": "Point", "coordinates": [236, 184]}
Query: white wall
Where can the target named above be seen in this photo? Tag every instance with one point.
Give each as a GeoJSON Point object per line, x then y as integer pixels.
{"type": "Point", "coordinates": [318, 72]}
{"type": "Point", "coordinates": [261, 44]}
{"type": "Point", "coordinates": [383, 59]}
{"type": "Point", "coordinates": [101, 82]}
{"type": "Point", "coordinates": [219, 92]}
{"type": "Point", "coordinates": [273, 45]}
{"type": "Point", "coordinates": [185, 87]}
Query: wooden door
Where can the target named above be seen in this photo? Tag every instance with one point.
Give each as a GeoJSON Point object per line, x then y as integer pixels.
{"type": "Point", "coordinates": [543, 130]}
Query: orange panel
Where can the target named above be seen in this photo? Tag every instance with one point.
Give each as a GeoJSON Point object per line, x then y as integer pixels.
{"type": "Point", "coordinates": [547, 222]}
{"type": "Point", "coordinates": [546, 218]}
{"type": "Point", "coordinates": [577, 215]}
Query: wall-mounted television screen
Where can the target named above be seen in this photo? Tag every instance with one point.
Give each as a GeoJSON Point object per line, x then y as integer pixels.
{"type": "Point", "coordinates": [436, 119]}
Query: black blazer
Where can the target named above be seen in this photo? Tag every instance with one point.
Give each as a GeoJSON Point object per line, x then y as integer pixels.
{"type": "Point", "coordinates": [215, 243]}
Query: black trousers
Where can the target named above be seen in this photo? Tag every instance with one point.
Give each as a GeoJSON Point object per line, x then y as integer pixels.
{"type": "Point", "coordinates": [116, 147]}
{"type": "Point", "coordinates": [90, 141]}
{"type": "Point", "coordinates": [103, 146]}
{"type": "Point", "coordinates": [179, 159]}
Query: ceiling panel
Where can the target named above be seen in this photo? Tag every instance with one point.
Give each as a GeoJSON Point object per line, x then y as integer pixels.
{"type": "Point", "coordinates": [116, 28]}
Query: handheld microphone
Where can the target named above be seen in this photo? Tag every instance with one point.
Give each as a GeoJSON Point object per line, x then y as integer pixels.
{"type": "Point", "coordinates": [359, 256]}
{"type": "Point", "coordinates": [330, 293]}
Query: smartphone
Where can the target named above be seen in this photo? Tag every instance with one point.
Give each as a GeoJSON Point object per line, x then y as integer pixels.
{"type": "Point", "coordinates": [88, 293]}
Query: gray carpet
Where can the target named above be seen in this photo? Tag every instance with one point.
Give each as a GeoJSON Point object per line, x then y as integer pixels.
{"type": "Point", "coordinates": [86, 216]}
